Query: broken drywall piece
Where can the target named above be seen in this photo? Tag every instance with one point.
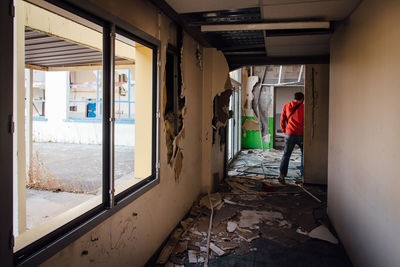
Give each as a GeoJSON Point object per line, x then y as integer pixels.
{"type": "Point", "coordinates": [300, 231]}
{"type": "Point", "coordinates": [250, 218]}
{"type": "Point", "coordinates": [216, 249]}
{"type": "Point", "coordinates": [226, 245]}
{"type": "Point", "coordinates": [192, 256]}
{"type": "Point", "coordinates": [231, 227]}
{"type": "Point", "coordinates": [248, 235]}
{"type": "Point", "coordinates": [248, 97]}
{"type": "Point", "coordinates": [323, 233]}
{"type": "Point", "coordinates": [215, 200]}
{"type": "Point", "coordinates": [224, 213]}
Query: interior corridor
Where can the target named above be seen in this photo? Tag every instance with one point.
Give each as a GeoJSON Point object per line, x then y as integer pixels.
{"type": "Point", "coordinates": [148, 133]}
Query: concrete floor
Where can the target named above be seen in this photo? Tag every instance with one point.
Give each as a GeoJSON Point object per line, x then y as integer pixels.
{"type": "Point", "coordinates": [67, 169]}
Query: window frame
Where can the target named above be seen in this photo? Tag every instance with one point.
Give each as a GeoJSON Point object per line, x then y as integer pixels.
{"type": "Point", "coordinates": [45, 247]}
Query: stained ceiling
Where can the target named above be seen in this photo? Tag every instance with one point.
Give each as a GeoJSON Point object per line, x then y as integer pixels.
{"type": "Point", "coordinates": [284, 31]}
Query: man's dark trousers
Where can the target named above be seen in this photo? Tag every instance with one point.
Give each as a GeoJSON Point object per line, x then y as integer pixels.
{"type": "Point", "coordinates": [290, 141]}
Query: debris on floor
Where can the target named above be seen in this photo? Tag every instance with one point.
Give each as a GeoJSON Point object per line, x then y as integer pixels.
{"type": "Point", "coordinates": [248, 207]}
{"type": "Point", "coordinates": [323, 233]}
{"type": "Point", "coordinates": [266, 163]}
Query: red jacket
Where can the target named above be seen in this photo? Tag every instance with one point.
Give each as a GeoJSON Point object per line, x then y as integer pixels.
{"type": "Point", "coordinates": [295, 125]}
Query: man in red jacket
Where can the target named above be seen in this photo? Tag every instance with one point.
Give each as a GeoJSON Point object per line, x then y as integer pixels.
{"type": "Point", "coordinates": [292, 125]}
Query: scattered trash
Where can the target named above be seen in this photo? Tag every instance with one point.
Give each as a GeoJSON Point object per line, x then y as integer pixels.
{"type": "Point", "coordinates": [323, 233]}
{"type": "Point", "coordinates": [300, 231]}
{"type": "Point", "coordinates": [250, 218]}
{"type": "Point", "coordinates": [247, 207]}
{"type": "Point", "coordinates": [216, 249]}
{"type": "Point", "coordinates": [231, 227]}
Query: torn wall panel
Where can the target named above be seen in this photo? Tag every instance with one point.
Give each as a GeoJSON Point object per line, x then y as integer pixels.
{"type": "Point", "coordinates": [257, 106]}
{"type": "Point", "coordinates": [215, 73]}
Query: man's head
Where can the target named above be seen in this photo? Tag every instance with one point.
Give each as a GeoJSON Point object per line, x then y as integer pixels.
{"type": "Point", "coordinates": [299, 96]}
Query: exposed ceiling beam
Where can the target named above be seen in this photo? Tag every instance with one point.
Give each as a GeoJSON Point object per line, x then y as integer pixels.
{"type": "Point", "coordinates": [266, 26]}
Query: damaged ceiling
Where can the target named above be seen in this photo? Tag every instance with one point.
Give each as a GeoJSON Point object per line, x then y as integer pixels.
{"type": "Point", "coordinates": [264, 32]}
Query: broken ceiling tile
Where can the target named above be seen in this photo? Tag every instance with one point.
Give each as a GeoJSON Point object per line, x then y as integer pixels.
{"type": "Point", "coordinates": [231, 227]}
{"type": "Point", "coordinates": [323, 233]}
{"type": "Point", "coordinates": [225, 213]}
{"type": "Point", "coordinates": [192, 256]}
{"type": "Point", "coordinates": [250, 218]}
{"type": "Point", "coordinates": [248, 236]}
{"type": "Point", "coordinates": [300, 231]}
{"type": "Point", "coordinates": [216, 249]}
{"type": "Point", "coordinates": [226, 245]}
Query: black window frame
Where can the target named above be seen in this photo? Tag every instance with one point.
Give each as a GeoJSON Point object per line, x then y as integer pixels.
{"type": "Point", "coordinates": [45, 247]}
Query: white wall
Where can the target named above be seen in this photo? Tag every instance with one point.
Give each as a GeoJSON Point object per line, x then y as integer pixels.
{"type": "Point", "coordinates": [364, 127]}
{"type": "Point", "coordinates": [284, 95]}
{"type": "Point", "coordinates": [57, 129]}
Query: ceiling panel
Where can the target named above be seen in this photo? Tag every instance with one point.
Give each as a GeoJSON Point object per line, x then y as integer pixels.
{"type": "Point", "coordinates": [299, 10]}
{"type": "Point", "coordinates": [305, 45]}
{"type": "Point", "coordinates": [44, 50]}
{"type": "Point", "coordinates": [190, 6]}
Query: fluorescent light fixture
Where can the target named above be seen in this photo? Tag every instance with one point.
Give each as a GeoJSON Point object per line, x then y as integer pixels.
{"type": "Point", "coordinates": [266, 26]}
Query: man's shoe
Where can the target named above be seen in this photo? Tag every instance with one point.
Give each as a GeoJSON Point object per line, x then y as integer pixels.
{"type": "Point", "coordinates": [281, 179]}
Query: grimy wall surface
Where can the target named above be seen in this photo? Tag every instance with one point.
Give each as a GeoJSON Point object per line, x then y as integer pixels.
{"type": "Point", "coordinates": [132, 235]}
{"type": "Point", "coordinates": [316, 124]}
{"type": "Point", "coordinates": [364, 127]}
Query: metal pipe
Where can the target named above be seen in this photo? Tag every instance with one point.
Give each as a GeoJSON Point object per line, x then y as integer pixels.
{"type": "Point", "coordinates": [300, 73]}
{"type": "Point", "coordinates": [280, 75]}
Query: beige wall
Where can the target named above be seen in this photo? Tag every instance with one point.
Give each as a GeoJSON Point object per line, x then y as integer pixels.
{"type": "Point", "coordinates": [364, 127]}
{"type": "Point", "coordinates": [316, 119]}
{"type": "Point", "coordinates": [127, 239]}
{"type": "Point", "coordinates": [215, 73]}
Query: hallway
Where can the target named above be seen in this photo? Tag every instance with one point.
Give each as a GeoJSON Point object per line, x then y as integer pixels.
{"type": "Point", "coordinates": [256, 221]}
{"type": "Point", "coordinates": [120, 118]}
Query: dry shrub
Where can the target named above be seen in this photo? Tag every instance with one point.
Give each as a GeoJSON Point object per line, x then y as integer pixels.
{"type": "Point", "coordinates": [40, 178]}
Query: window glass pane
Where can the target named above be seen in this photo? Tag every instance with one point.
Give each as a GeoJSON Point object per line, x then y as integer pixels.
{"type": "Point", "coordinates": [291, 74]}
{"type": "Point", "coordinates": [85, 95]}
{"type": "Point", "coordinates": [57, 161]}
{"type": "Point", "coordinates": [133, 96]}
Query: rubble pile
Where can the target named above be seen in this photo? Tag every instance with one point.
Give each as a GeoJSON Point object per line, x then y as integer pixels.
{"type": "Point", "coordinates": [246, 207]}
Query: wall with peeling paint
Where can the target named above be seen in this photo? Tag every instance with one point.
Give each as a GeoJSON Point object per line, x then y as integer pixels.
{"type": "Point", "coordinates": [215, 76]}
{"type": "Point", "coordinates": [316, 121]}
{"type": "Point", "coordinates": [132, 235]}
{"type": "Point", "coordinates": [257, 106]}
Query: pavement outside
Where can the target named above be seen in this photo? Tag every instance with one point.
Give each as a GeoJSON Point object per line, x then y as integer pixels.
{"type": "Point", "coordinates": [66, 175]}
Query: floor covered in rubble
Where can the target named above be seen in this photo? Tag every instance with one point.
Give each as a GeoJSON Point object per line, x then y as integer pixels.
{"type": "Point", "coordinates": [253, 220]}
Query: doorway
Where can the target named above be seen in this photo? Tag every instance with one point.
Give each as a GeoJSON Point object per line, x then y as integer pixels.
{"type": "Point", "coordinates": [233, 145]}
